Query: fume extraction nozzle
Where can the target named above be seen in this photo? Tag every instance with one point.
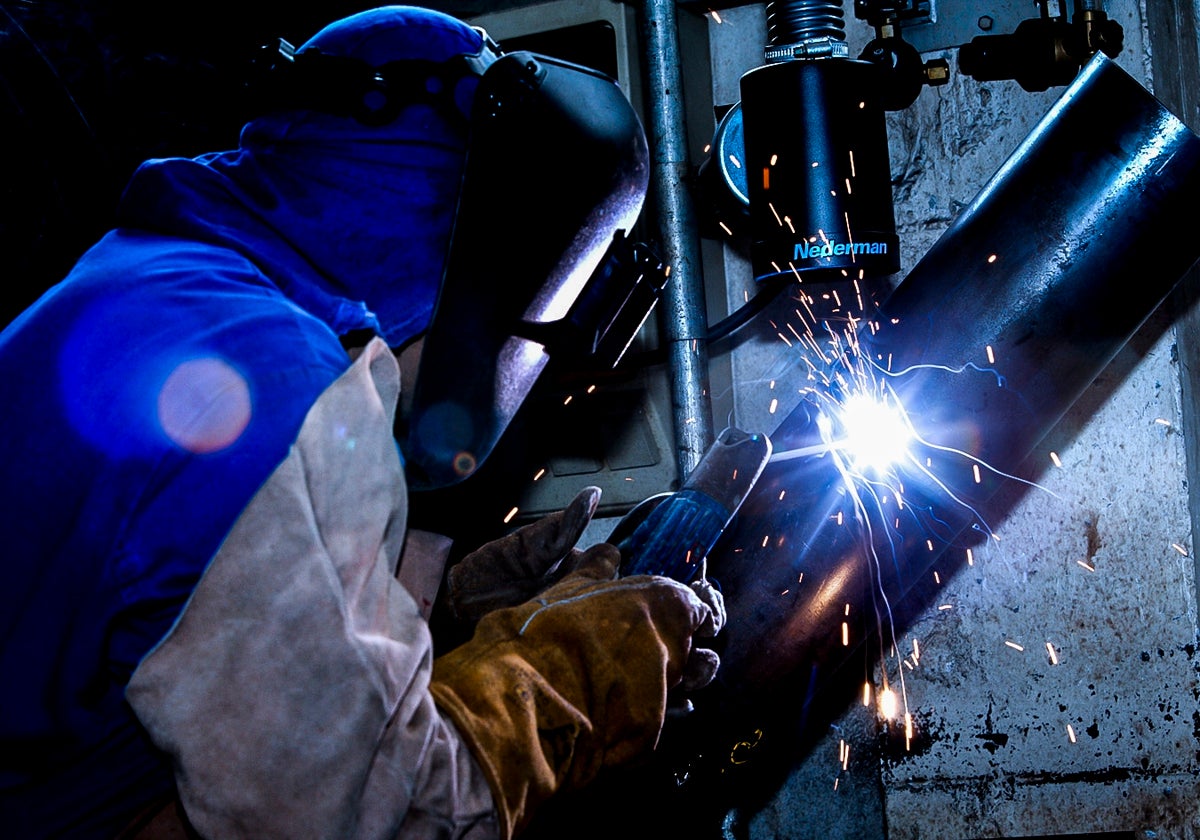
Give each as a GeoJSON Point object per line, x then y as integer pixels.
{"type": "Point", "coordinates": [805, 153]}
{"type": "Point", "coordinates": [818, 177]}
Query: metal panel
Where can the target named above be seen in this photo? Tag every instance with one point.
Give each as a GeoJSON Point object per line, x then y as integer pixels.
{"type": "Point", "coordinates": [955, 24]}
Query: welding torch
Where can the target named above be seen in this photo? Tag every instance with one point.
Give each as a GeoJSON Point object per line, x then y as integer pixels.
{"type": "Point", "coordinates": [671, 534]}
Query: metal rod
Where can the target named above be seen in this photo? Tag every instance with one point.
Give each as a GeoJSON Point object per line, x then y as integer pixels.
{"type": "Point", "coordinates": [685, 314]}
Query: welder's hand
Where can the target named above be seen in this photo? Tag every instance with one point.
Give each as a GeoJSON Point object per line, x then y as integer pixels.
{"type": "Point", "coordinates": [549, 692]}
{"type": "Point", "coordinates": [512, 569]}
{"type": "Point", "coordinates": [702, 662]}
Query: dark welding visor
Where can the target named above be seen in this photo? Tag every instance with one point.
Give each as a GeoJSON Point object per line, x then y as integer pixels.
{"type": "Point", "coordinates": [556, 173]}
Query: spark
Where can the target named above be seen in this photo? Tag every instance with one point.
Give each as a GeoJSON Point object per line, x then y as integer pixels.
{"type": "Point", "coordinates": [1014, 645]}
{"type": "Point", "coordinates": [539, 474]}
{"type": "Point", "coordinates": [1071, 733]}
{"type": "Point", "coordinates": [863, 428]}
{"type": "Point", "coordinates": [715, 15]}
{"type": "Point", "coordinates": [888, 704]}
{"type": "Point", "coordinates": [1180, 549]}
{"type": "Point", "coordinates": [1086, 565]}
{"type": "Point", "coordinates": [508, 518]}
{"type": "Point", "coordinates": [1053, 654]}
{"type": "Point", "coordinates": [1055, 459]}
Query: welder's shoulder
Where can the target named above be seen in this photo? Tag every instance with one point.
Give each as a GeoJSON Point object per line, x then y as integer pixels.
{"type": "Point", "coordinates": [164, 291]}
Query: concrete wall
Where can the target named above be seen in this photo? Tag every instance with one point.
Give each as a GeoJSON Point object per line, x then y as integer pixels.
{"type": "Point", "coordinates": [1056, 687]}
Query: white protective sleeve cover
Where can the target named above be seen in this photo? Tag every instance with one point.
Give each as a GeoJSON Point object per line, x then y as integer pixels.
{"type": "Point", "coordinates": [293, 692]}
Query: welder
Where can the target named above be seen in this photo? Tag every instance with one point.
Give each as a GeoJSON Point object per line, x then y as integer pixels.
{"type": "Point", "coordinates": [205, 607]}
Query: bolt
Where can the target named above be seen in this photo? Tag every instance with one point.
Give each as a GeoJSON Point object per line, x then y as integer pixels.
{"type": "Point", "coordinates": [985, 22]}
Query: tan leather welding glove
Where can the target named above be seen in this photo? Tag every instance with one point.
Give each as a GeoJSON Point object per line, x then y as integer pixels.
{"type": "Point", "coordinates": [514, 568]}
{"type": "Point", "coordinates": [550, 692]}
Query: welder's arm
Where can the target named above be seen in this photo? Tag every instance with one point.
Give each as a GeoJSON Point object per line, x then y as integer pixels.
{"type": "Point", "coordinates": [550, 692]}
{"type": "Point", "coordinates": [292, 695]}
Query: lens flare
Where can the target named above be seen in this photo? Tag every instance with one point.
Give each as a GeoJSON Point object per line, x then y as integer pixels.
{"type": "Point", "coordinates": [204, 405]}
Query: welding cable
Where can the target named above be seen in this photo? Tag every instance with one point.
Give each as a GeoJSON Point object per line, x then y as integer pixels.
{"type": "Point", "coordinates": [734, 321]}
{"type": "Point", "coordinates": [723, 329]}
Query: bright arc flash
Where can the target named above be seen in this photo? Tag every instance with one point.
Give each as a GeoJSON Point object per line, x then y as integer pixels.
{"type": "Point", "coordinates": [874, 433]}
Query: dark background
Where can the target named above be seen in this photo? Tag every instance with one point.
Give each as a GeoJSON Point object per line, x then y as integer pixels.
{"type": "Point", "coordinates": [88, 90]}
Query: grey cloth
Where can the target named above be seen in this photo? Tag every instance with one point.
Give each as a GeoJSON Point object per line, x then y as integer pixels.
{"type": "Point", "coordinates": [293, 693]}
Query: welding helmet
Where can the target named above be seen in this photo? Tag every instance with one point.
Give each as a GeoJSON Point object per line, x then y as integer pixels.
{"type": "Point", "coordinates": [538, 261]}
{"type": "Point", "coordinates": [539, 264]}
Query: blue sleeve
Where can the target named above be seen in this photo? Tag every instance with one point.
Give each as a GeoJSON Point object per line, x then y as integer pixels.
{"type": "Point", "coordinates": [147, 398]}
